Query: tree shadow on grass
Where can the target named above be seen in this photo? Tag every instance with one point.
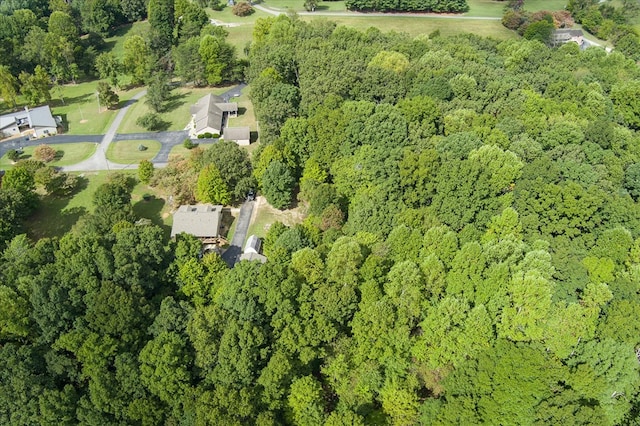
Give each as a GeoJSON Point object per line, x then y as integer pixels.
{"type": "Point", "coordinates": [150, 207]}
{"type": "Point", "coordinates": [71, 100]}
{"type": "Point", "coordinates": [52, 218]}
{"type": "Point", "coordinates": [175, 100]}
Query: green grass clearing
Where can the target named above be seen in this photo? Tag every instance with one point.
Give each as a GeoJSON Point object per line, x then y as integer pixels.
{"type": "Point", "coordinates": [177, 114]}
{"type": "Point", "coordinates": [78, 106]}
{"type": "Point", "coordinates": [415, 27]}
{"type": "Point", "coordinates": [57, 215]}
{"type": "Point", "coordinates": [127, 152]}
{"type": "Point", "coordinates": [67, 154]}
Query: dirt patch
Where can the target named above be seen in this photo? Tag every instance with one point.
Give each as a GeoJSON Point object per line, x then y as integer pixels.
{"type": "Point", "coordinates": [83, 121]}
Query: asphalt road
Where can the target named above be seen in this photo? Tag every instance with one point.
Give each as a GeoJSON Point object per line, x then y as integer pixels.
{"type": "Point", "coordinates": [234, 251]}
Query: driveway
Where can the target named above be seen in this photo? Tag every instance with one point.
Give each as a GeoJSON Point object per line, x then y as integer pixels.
{"type": "Point", "coordinates": [234, 251]}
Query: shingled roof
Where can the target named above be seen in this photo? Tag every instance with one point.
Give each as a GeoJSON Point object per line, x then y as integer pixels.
{"type": "Point", "coordinates": [200, 220]}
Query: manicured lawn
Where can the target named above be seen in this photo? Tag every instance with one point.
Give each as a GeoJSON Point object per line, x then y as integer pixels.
{"type": "Point", "coordinates": [264, 218]}
{"type": "Point", "coordinates": [67, 154]}
{"type": "Point", "coordinates": [127, 152]}
{"type": "Point", "coordinates": [78, 106]}
{"type": "Point", "coordinates": [57, 215]}
{"type": "Point", "coordinates": [416, 26]}
{"type": "Point", "coordinates": [178, 113]}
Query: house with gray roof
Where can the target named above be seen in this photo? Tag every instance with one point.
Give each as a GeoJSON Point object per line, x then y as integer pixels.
{"type": "Point", "coordinates": [209, 115]}
{"type": "Point", "coordinates": [37, 122]}
{"type": "Point", "coordinates": [200, 220]}
{"type": "Point", "coordinates": [567, 35]}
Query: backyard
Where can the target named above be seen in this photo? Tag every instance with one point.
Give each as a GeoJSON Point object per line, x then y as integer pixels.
{"type": "Point", "coordinates": [56, 215]}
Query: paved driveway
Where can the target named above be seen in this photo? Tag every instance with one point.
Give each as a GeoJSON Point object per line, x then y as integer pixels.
{"type": "Point", "coordinates": [234, 251]}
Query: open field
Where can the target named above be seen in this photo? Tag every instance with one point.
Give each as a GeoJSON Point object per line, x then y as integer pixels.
{"type": "Point", "coordinates": [414, 27]}
{"type": "Point", "coordinates": [177, 114]}
{"type": "Point", "coordinates": [57, 215]}
{"type": "Point", "coordinates": [79, 108]}
{"type": "Point", "coordinates": [127, 152]}
{"type": "Point", "coordinates": [264, 216]}
{"type": "Point", "coordinates": [66, 154]}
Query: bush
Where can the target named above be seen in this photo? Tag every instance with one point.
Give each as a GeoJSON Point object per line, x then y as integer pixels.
{"type": "Point", "coordinates": [150, 121]}
{"type": "Point", "coordinates": [188, 144]}
{"type": "Point", "coordinates": [242, 9]}
{"type": "Point", "coordinates": [44, 153]}
{"type": "Point", "coordinates": [13, 155]}
{"type": "Point", "coordinates": [145, 171]}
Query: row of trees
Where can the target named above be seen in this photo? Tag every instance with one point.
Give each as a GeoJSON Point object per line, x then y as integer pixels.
{"type": "Point", "coordinates": [408, 5]}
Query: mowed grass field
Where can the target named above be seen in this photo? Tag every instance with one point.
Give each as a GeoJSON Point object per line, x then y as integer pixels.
{"type": "Point", "coordinates": [128, 152]}
{"type": "Point", "coordinates": [77, 104]}
{"type": "Point", "coordinates": [177, 114]}
{"type": "Point", "coordinates": [66, 154]}
{"type": "Point", "coordinates": [57, 215]}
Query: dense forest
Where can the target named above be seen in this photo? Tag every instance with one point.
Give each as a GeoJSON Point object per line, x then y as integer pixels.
{"type": "Point", "coordinates": [471, 253]}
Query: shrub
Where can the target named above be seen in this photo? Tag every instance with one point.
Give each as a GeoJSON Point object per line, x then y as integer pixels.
{"type": "Point", "coordinates": [242, 9]}
{"type": "Point", "coordinates": [44, 153]}
{"type": "Point", "coordinates": [150, 121]}
{"type": "Point", "coordinates": [145, 171]}
{"type": "Point", "coordinates": [188, 144]}
{"type": "Point", "coordinates": [13, 155]}
{"type": "Point", "coordinates": [215, 135]}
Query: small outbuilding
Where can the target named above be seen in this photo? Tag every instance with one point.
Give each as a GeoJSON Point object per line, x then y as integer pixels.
{"type": "Point", "coordinates": [252, 250]}
{"type": "Point", "coordinates": [239, 135]}
{"type": "Point", "coordinates": [200, 220]}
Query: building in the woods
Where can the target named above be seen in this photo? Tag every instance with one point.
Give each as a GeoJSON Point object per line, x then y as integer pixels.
{"type": "Point", "coordinates": [252, 250]}
{"type": "Point", "coordinates": [36, 122]}
{"type": "Point", "coordinates": [566, 35]}
{"type": "Point", "coordinates": [200, 220]}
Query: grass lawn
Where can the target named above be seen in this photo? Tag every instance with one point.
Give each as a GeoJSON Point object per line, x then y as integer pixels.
{"type": "Point", "coordinates": [78, 107]}
{"type": "Point", "coordinates": [115, 43]}
{"type": "Point", "coordinates": [57, 215]}
{"type": "Point", "coordinates": [415, 26]}
{"type": "Point", "coordinates": [177, 114]}
{"type": "Point", "coordinates": [66, 154]}
{"type": "Point", "coordinates": [127, 152]}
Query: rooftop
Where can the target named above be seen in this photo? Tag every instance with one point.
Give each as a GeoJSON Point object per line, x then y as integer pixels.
{"type": "Point", "coordinates": [200, 220]}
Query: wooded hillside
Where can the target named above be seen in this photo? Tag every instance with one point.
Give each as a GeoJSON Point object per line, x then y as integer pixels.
{"type": "Point", "coordinates": [471, 254]}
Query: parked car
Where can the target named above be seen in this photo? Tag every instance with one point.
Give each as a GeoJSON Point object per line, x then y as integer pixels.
{"type": "Point", "coordinates": [251, 195]}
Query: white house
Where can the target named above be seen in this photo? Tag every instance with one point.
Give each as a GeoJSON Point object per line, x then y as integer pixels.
{"type": "Point", "coordinates": [36, 121]}
{"type": "Point", "coordinates": [208, 115]}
